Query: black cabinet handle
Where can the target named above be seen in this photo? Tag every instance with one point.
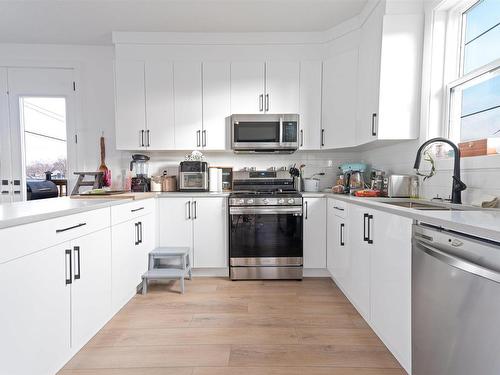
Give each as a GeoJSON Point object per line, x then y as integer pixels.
{"type": "Point", "coordinates": [76, 249]}
{"type": "Point", "coordinates": [198, 142]}
{"type": "Point", "coordinates": [139, 224]}
{"type": "Point", "coordinates": [136, 233]}
{"type": "Point", "coordinates": [374, 130]}
{"type": "Point", "coordinates": [204, 138]}
{"type": "Point", "coordinates": [306, 209]}
{"type": "Point", "coordinates": [370, 220]}
{"type": "Point", "coordinates": [338, 208]}
{"type": "Point", "coordinates": [301, 137]}
{"type": "Point", "coordinates": [342, 243]}
{"type": "Point", "coordinates": [189, 209]}
{"type": "Point", "coordinates": [67, 254]}
{"type": "Point", "coordinates": [195, 210]}
{"type": "Point", "coordinates": [69, 228]}
{"type": "Point", "coordinates": [267, 102]}
{"type": "Point", "coordinates": [148, 143]}
{"type": "Point", "coordinates": [322, 137]}
{"type": "Point", "coordinates": [261, 102]}
{"type": "Point", "coordinates": [142, 138]}
{"type": "Point", "coordinates": [365, 221]}
{"type": "Point", "coordinates": [137, 209]}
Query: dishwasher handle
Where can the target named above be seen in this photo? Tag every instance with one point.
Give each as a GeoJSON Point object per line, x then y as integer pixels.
{"type": "Point", "coordinates": [459, 263]}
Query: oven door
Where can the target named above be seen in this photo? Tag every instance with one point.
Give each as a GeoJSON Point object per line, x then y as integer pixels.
{"type": "Point", "coordinates": [192, 181]}
{"type": "Point", "coordinates": [266, 236]}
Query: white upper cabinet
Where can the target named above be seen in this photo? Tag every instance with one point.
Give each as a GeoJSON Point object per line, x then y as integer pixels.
{"type": "Point", "coordinates": [159, 105]}
{"type": "Point", "coordinates": [390, 64]}
{"type": "Point", "coordinates": [247, 87]}
{"type": "Point", "coordinates": [130, 105]}
{"type": "Point", "coordinates": [216, 104]}
{"type": "Point", "coordinates": [188, 105]}
{"type": "Point", "coordinates": [282, 87]}
{"type": "Point", "coordinates": [310, 104]}
{"type": "Point", "coordinates": [339, 100]}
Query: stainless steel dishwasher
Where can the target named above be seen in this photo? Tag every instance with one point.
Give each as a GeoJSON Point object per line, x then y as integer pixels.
{"type": "Point", "coordinates": [455, 303]}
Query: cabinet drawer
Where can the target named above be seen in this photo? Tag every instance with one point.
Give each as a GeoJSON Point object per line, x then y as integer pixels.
{"type": "Point", "coordinates": [22, 240]}
{"type": "Point", "coordinates": [129, 211]}
{"type": "Point", "coordinates": [339, 207]}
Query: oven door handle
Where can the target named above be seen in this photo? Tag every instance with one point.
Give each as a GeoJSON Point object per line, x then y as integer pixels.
{"type": "Point", "coordinates": [297, 211]}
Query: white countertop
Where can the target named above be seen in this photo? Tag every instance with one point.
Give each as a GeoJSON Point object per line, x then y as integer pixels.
{"type": "Point", "coordinates": [483, 223]}
{"type": "Point", "coordinates": [18, 213]}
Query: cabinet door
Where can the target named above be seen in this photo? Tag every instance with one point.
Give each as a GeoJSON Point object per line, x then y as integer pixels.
{"type": "Point", "coordinates": [35, 314]}
{"type": "Point", "coordinates": [314, 233]}
{"type": "Point", "coordinates": [159, 105]}
{"type": "Point", "coordinates": [369, 76]}
{"type": "Point", "coordinates": [310, 104]}
{"type": "Point", "coordinates": [247, 87]}
{"type": "Point", "coordinates": [216, 104]}
{"type": "Point", "coordinates": [124, 238]}
{"type": "Point", "coordinates": [339, 100]}
{"type": "Point", "coordinates": [282, 87]}
{"type": "Point", "coordinates": [176, 223]}
{"type": "Point", "coordinates": [91, 287]}
{"type": "Point", "coordinates": [339, 256]}
{"type": "Point", "coordinates": [359, 291]}
{"type": "Point", "coordinates": [390, 285]}
{"type": "Point", "coordinates": [130, 104]}
{"type": "Point", "coordinates": [210, 233]}
{"type": "Point", "coordinates": [188, 105]}
{"type": "Point", "coordinates": [147, 238]}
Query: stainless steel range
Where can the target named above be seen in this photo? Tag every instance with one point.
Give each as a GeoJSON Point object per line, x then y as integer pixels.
{"type": "Point", "coordinates": [265, 234]}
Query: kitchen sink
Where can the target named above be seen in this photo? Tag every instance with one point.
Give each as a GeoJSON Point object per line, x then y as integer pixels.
{"type": "Point", "coordinates": [429, 206]}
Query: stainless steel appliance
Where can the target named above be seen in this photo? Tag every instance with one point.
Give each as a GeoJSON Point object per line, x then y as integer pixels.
{"type": "Point", "coordinates": [265, 226]}
{"type": "Point", "coordinates": [455, 303]}
{"type": "Point", "coordinates": [139, 166]}
{"type": "Point", "coordinates": [398, 186]}
{"type": "Point", "coordinates": [193, 176]}
{"type": "Point", "coordinates": [265, 133]}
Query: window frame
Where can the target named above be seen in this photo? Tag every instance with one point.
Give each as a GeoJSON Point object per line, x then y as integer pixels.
{"type": "Point", "coordinates": [454, 45]}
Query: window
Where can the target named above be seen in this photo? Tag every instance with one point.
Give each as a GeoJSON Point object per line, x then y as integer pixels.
{"type": "Point", "coordinates": [474, 106]}
{"type": "Point", "coordinates": [45, 143]}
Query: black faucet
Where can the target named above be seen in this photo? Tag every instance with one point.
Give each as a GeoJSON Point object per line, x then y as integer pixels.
{"type": "Point", "coordinates": [457, 185]}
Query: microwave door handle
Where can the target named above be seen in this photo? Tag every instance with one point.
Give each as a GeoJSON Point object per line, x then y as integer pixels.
{"type": "Point", "coordinates": [281, 129]}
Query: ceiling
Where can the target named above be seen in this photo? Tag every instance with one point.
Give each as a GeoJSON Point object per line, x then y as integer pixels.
{"type": "Point", "coordinates": [92, 21]}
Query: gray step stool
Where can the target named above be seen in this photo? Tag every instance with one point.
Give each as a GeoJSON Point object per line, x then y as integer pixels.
{"type": "Point", "coordinates": [171, 271]}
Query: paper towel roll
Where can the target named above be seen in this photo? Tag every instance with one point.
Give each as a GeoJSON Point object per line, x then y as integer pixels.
{"type": "Point", "coordinates": [219, 179]}
{"type": "Point", "coordinates": [213, 179]}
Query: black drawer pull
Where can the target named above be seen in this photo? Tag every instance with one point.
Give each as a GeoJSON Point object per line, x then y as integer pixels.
{"type": "Point", "coordinates": [365, 219]}
{"type": "Point", "coordinates": [339, 208]}
{"type": "Point", "coordinates": [137, 209]}
{"type": "Point", "coordinates": [69, 228]}
{"type": "Point", "coordinates": [342, 243]}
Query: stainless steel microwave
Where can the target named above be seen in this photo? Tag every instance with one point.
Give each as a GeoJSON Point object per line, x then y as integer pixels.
{"type": "Point", "coordinates": [265, 133]}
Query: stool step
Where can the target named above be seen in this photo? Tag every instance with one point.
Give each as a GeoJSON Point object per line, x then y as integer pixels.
{"type": "Point", "coordinates": [165, 273]}
{"type": "Point", "coordinates": [169, 251]}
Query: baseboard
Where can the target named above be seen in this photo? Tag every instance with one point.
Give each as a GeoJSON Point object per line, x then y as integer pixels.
{"type": "Point", "coordinates": [211, 272]}
{"type": "Point", "coordinates": [316, 272]}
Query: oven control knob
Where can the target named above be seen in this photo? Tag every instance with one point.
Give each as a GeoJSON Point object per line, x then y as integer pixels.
{"type": "Point", "coordinates": [291, 201]}
{"type": "Point", "coordinates": [281, 201]}
{"type": "Point", "coordinates": [241, 201]}
{"type": "Point", "coordinates": [265, 200]}
{"type": "Point", "coordinates": [250, 201]}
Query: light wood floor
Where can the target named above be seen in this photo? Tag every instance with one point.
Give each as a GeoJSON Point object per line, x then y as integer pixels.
{"type": "Point", "coordinates": [237, 328]}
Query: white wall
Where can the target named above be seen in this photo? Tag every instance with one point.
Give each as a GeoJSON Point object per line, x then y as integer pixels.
{"type": "Point", "coordinates": [95, 93]}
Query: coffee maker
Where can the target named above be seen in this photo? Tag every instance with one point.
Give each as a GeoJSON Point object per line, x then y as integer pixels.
{"type": "Point", "coordinates": [353, 177]}
{"type": "Point", "coordinates": [139, 166]}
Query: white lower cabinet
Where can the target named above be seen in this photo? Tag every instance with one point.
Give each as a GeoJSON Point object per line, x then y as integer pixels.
{"type": "Point", "coordinates": [35, 314]}
{"type": "Point", "coordinates": [338, 246]}
{"type": "Point", "coordinates": [314, 232]}
{"type": "Point", "coordinates": [132, 241]}
{"type": "Point", "coordinates": [199, 223]}
{"type": "Point", "coordinates": [359, 288]}
{"type": "Point", "coordinates": [390, 283]}
{"type": "Point", "coordinates": [373, 268]}
{"type": "Point", "coordinates": [91, 285]}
